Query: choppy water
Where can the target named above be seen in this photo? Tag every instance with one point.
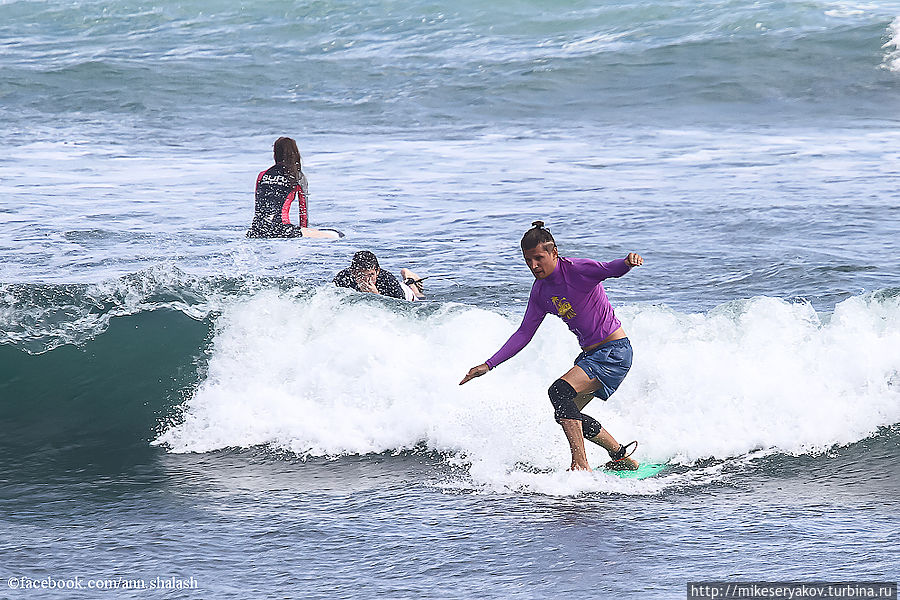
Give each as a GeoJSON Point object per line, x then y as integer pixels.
{"type": "Point", "coordinates": [179, 401]}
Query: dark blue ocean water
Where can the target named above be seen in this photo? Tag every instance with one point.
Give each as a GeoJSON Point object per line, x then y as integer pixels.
{"type": "Point", "coordinates": [180, 404]}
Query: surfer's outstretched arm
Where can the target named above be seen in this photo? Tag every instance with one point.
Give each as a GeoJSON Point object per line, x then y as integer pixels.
{"type": "Point", "coordinates": [593, 272]}
{"type": "Point", "coordinates": [533, 318]}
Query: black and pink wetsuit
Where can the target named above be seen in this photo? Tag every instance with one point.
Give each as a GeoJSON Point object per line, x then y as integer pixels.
{"type": "Point", "coordinates": [275, 192]}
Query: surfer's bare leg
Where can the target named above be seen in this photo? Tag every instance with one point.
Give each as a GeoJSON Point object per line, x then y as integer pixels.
{"type": "Point", "coordinates": [585, 387]}
{"type": "Point", "coordinates": [416, 289]}
{"type": "Point", "coordinates": [582, 385]}
{"type": "Point", "coordinates": [583, 398]}
{"type": "Point", "coordinates": [572, 429]}
{"type": "Point", "coordinates": [604, 438]}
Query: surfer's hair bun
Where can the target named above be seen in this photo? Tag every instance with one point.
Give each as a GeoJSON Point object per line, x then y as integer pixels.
{"type": "Point", "coordinates": [538, 235]}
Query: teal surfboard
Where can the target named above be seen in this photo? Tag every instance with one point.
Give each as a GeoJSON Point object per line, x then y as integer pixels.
{"type": "Point", "coordinates": [643, 471]}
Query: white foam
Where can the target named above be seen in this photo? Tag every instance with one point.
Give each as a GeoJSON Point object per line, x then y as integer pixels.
{"type": "Point", "coordinates": [844, 9]}
{"type": "Point", "coordinates": [892, 47]}
{"type": "Point", "coordinates": [334, 373]}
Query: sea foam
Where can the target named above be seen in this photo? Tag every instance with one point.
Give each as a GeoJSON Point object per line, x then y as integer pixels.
{"type": "Point", "coordinates": [332, 373]}
{"type": "Point", "coordinates": [892, 47]}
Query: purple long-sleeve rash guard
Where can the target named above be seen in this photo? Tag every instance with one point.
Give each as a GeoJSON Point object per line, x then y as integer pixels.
{"type": "Point", "coordinates": [573, 292]}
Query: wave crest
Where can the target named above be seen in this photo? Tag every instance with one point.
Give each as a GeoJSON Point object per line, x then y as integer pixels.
{"type": "Point", "coordinates": [332, 374]}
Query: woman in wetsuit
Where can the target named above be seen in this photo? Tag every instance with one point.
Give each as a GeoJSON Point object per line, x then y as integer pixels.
{"type": "Point", "coordinates": [276, 189]}
{"type": "Point", "coordinates": [570, 288]}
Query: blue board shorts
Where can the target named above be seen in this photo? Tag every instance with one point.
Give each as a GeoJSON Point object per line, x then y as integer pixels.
{"type": "Point", "coordinates": [608, 363]}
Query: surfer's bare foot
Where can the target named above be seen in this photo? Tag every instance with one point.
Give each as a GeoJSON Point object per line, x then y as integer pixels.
{"type": "Point", "coordinates": [626, 464]}
{"type": "Point", "coordinates": [415, 286]}
{"type": "Point", "coordinates": [580, 467]}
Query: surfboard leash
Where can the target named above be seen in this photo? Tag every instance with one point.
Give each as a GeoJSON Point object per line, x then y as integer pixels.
{"type": "Point", "coordinates": [622, 453]}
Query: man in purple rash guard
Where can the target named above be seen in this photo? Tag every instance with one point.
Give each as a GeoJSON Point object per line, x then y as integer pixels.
{"type": "Point", "coordinates": [570, 288]}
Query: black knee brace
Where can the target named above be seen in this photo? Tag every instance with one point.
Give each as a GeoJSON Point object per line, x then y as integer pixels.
{"type": "Point", "coordinates": [590, 426]}
{"type": "Point", "coordinates": [562, 396]}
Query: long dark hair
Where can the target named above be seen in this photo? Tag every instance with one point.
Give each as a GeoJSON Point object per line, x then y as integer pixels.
{"type": "Point", "coordinates": [287, 154]}
{"type": "Point", "coordinates": [538, 235]}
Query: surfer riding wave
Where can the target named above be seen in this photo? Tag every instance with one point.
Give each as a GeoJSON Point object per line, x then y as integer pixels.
{"type": "Point", "coordinates": [571, 288]}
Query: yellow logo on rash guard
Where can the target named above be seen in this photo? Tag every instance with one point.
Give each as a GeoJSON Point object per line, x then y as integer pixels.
{"type": "Point", "coordinates": [563, 308]}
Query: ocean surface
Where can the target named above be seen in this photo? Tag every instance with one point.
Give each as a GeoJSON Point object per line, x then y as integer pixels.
{"type": "Point", "coordinates": [185, 412]}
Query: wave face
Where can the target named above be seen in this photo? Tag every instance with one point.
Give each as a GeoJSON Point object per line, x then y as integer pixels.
{"type": "Point", "coordinates": [111, 391]}
{"type": "Point", "coordinates": [104, 363]}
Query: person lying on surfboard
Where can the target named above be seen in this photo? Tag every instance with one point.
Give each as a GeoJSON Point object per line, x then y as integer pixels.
{"type": "Point", "coordinates": [276, 189]}
{"type": "Point", "coordinates": [365, 275]}
{"type": "Point", "coordinates": [571, 289]}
